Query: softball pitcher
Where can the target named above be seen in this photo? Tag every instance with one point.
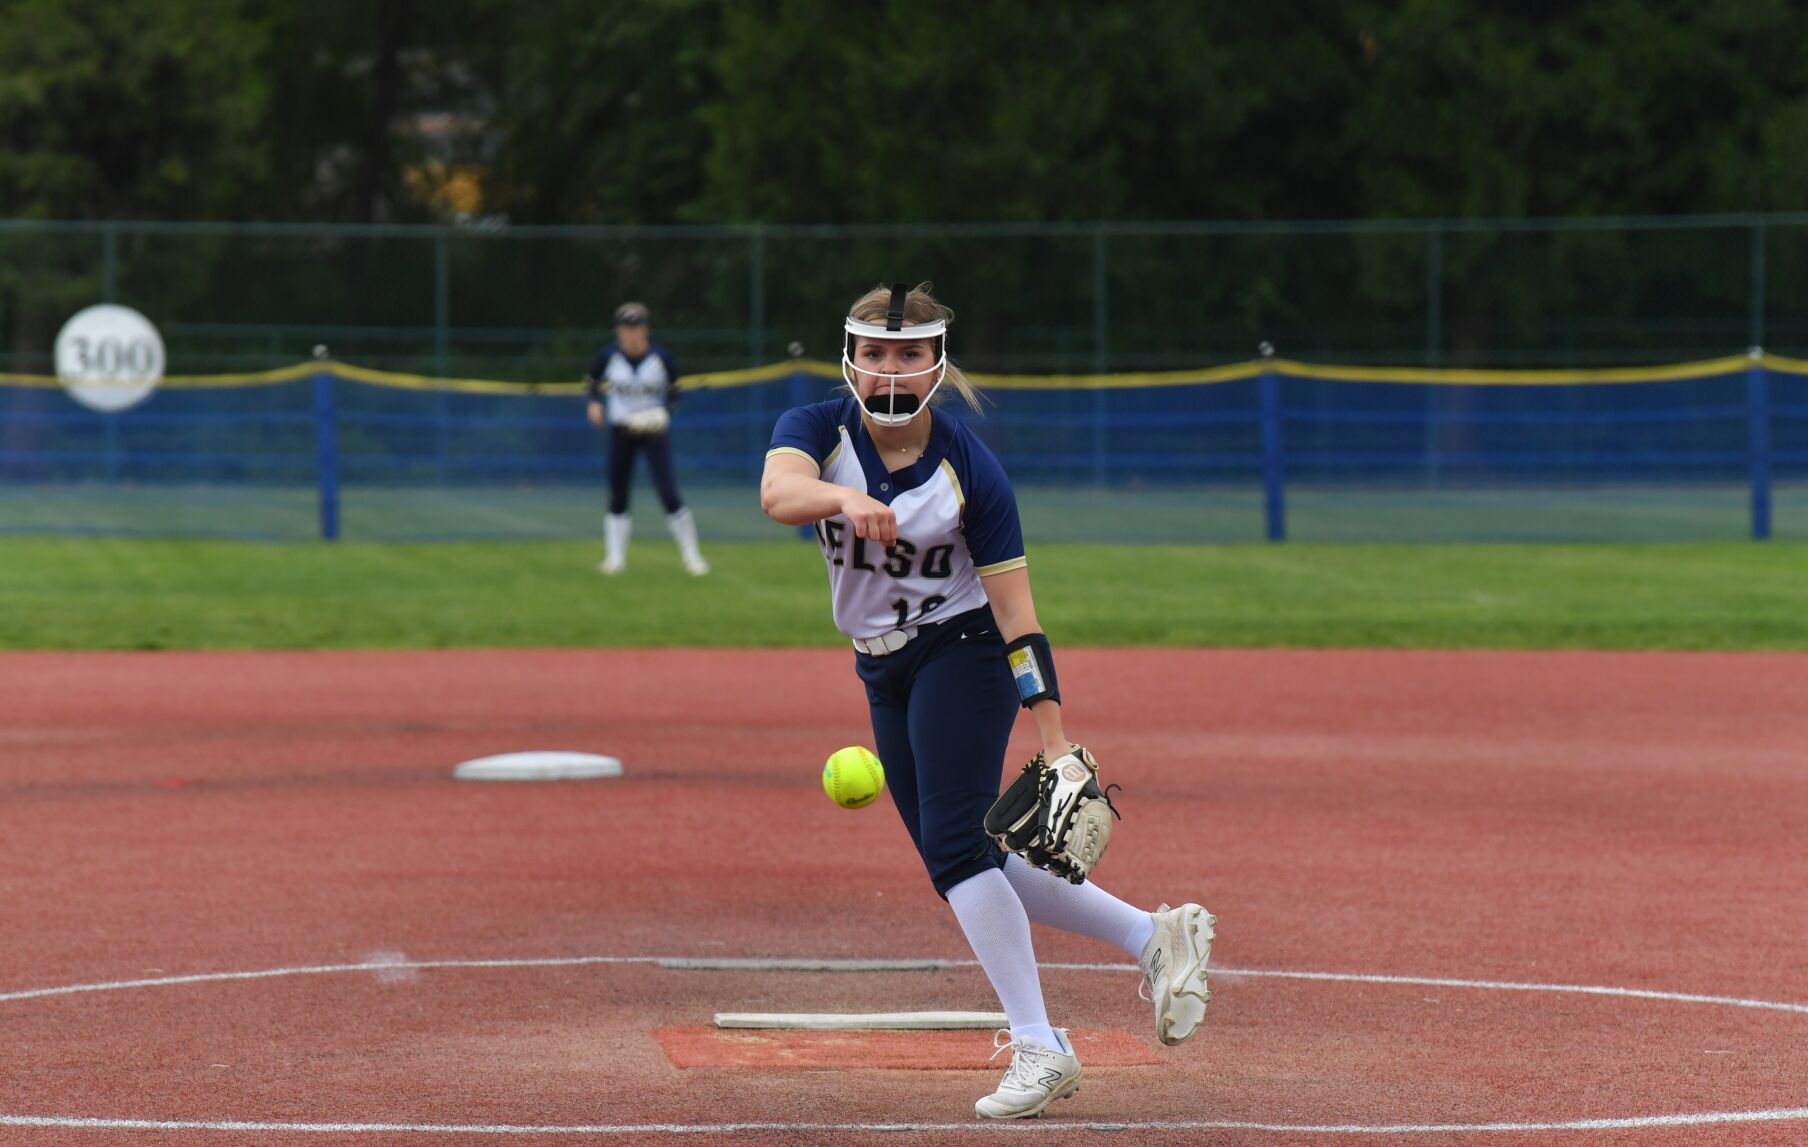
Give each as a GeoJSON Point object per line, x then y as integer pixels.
{"type": "Point", "coordinates": [927, 575]}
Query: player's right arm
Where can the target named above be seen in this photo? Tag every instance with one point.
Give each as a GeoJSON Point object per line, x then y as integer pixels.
{"type": "Point", "coordinates": [791, 492]}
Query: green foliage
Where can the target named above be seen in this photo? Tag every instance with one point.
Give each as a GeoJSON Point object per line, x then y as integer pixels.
{"type": "Point", "coordinates": [1616, 106]}
{"type": "Point", "coordinates": [116, 111]}
{"type": "Point", "coordinates": [372, 105]}
{"type": "Point", "coordinates": [129, 110]}
{"type": "Point", "coordinates": [596, 108]}
{"type": "Point", "coordinates": [930, 112]}
{"type": "Point", "coordinates": [76, 594]}
{"type": "Point", "coordinates": [814, 111]}
{"type": "Point", "coordinates": [1017, 112]}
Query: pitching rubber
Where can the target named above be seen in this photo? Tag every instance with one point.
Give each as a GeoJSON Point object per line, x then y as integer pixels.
{"type": "Point", "coordinates": [863, 1021]}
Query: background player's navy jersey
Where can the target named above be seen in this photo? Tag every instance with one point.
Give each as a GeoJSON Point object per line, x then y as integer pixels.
{"type": "Point", "coordinates": [957, 519]}
{"type": "Point", "coordinates": [633, 385]}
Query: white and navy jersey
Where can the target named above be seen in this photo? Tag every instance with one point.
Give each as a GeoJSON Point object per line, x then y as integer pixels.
{"type": "Point", "coordinates": [633, 385]}
{"type": "Point", "coordinates": [957, 519]}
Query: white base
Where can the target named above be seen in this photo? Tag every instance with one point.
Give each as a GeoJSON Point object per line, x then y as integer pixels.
{"type": "Point", "coordinates": [538, 766]}
{"type": "Point", "coordinates": [863, 1021]}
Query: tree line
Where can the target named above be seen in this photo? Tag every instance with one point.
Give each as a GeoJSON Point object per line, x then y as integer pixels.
{"type": "Point", "coordinates": [820, 111]}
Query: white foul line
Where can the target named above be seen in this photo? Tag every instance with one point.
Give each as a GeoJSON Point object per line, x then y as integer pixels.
{"type": "Point", "coordinates": [1507, 986]}
{"type": "Point", "coordinates": [686, 963]}
{"type": "Point", "coordinates": [1693, 1119]}
{"type": "Point", "coordinates": [710, 964]}
{"type": "Point", "coordinates": [321, 970]}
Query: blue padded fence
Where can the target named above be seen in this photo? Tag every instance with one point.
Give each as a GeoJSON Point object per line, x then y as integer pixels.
{"type": "Point", "coordinates": [1263, 450]}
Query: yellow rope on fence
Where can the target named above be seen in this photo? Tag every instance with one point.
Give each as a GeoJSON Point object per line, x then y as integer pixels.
{"type": "Point", "coordinates": [1204, 376]}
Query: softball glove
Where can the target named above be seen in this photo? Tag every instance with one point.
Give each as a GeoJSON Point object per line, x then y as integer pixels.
{"type": "Point", "coordinates": [654, 420]}
{"type": "Point", "coordinates": [1055, 815]}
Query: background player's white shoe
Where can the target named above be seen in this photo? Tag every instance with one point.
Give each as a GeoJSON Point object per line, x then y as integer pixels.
{"type": "Point", "coordinates": [612, 565]}
{"type": "Point", "coordinates": [1036, 1078]}
{"type": "Point", "coordinates": [1173, 964]}
{"type": "Point", "coordinates": [696, 566]}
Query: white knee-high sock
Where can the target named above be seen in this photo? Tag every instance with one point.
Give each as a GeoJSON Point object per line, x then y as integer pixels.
{"type": "Point", "coordinates": [616, 528]}
{"type": "Point", "coordinates": [999, 932]}
{"type": "Point", "coordinates": [684, 532]}
{"type": "Point", "coordinates": [1083, 908]}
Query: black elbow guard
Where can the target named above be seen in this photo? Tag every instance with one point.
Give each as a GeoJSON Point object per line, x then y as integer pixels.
{"type": "Point", "coordinates": [1033, 668]}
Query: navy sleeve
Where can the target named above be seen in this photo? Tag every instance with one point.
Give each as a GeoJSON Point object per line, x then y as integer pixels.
{"type": "Point", "coordinates": [671, 376]}
{"type": "Point", "coordinates": [989, 518]}
{"type": "Point", "coordinates": [593, 378]}
{"type": "Point", "coordinates": [807, 430]}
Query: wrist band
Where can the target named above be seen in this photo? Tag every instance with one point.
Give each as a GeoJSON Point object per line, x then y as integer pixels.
{"type": "Point", "coordinates": [1032, 665]}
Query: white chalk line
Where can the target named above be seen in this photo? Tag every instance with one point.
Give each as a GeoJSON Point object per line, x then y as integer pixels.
{"type": "Point", "coordinates": [689, 963]}
{"type": "Point", "coordinates": [1694, 1119]}
{"type": "Point", "coordinates": [708, 964]}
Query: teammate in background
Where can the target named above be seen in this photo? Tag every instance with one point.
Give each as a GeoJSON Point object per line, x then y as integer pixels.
{"type": "Point", "coordinates": [927, 575]}
{"type": "Point", "coordinates": [633, 388]}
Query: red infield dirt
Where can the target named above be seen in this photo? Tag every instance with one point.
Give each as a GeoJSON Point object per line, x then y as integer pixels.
{"type": "Point", "coordinates": [1411, 856]}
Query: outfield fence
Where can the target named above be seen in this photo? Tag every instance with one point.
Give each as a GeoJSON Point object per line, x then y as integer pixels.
{"type": "Point", "coordinates": [1487, 378]}
{"type": "Point", "coordinates": [1266, 449]}
{"type": "Point", "coordinates": [531, 304]}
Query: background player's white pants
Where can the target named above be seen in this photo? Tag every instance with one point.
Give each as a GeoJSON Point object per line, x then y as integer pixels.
{"type": "Point", "coordinates": [616, 528]}
{"type": "Point", "coordinates": [998, 930]}
{"type": "Point", "coordinates": [1083, 908]}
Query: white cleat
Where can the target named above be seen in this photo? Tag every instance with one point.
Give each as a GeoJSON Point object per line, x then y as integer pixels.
{"type": "Point", "coordinates": [696, 567]}
{"type": "Point", "coordinates": [1036, 1078]}
{"type": "Point", "coordinates": [1173, 966]}
{"type": "Point", "coordinates": [612, 565]}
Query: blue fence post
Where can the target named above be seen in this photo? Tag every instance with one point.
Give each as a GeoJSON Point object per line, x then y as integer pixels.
{"type": "Point", "coordinates": [442, 351]}
{"type": "Point", "coordinates": [1101, 361]}
{"type": "Point", "coordinates": [109, 421]}
{"type": "Point", "coordinates": [1757, 402]}
{"type": "Point", "coordinates": [326, 455]}
{"type": "Point", "coordinates": [757, 426]}
{"type": "Point", "coordinates": [1434, 354]}
{"type": "Point", "coordinates": [1274, 463]}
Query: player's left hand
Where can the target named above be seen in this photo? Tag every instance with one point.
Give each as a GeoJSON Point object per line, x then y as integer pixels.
{"type": "Point", "coordinates": [1056, 815]}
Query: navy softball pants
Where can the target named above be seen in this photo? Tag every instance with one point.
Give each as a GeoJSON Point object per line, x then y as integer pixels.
{"type": "Point", "coordinates": [942, 710]}
{"type": "Point", "coordinates": [622, 448]}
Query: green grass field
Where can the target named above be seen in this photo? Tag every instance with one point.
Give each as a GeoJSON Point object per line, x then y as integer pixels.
{"type": "Point", "coordinates": [128, 594]}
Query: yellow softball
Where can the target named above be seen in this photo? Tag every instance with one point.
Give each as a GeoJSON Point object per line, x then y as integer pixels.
{"type": "Point", "coordinates": [853, 777]}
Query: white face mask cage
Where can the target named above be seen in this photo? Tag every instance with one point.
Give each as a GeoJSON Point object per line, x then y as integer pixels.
{"type": "Point", "coordinates": [894, 329]}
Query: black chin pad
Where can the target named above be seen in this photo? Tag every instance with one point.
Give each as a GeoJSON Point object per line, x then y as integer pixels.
{"type": "Point", "coordinates": [884, 402]}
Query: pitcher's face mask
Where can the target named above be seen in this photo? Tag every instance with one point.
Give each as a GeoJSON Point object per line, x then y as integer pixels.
{"type": "Point", "coordinates": [887, 404]}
